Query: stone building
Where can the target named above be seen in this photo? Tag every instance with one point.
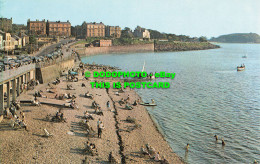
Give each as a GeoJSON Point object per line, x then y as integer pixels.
{"type": "Point", "coordinates": [93, 29]}
{"type": "Point", "coordinates": [141, 33]}
{"type": "Point", "coordinates": [59, 28]}
{"type": "Point", "coordinates": [36, 27]}
{"type": "Point", "coordinates": [6, 24]}
{"type": "Point", "coordinates": [18, 43]}
{"type": "Point", "coordinates": [102, 43]}
{"type": "Point", "coordinates": [25, 39]}
{"type": "Point", "coordinates": [8, 43]}
{"type": "Point", "coordinates": [113, 31]}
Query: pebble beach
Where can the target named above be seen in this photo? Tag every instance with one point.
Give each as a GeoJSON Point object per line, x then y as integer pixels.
{"type": "Point", "coordinates": [67, 143]}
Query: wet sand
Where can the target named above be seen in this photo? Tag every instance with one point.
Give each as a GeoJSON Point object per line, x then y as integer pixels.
{"type": "Point", "coordinates": [119, 137]}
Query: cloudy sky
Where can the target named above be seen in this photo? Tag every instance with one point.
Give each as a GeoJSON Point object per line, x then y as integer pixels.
{"type": "Point", "coordinates": [189, 17]}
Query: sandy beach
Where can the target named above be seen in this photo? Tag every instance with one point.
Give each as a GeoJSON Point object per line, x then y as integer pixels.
{"type": "Point", "coordinates": [67, 145]}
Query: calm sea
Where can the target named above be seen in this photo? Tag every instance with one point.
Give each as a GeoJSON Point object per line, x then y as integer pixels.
{"type": "Point", "coordinates": [207, 97]}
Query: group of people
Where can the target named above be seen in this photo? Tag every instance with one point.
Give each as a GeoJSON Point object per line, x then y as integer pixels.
{"type": "Point", "coordinates": [59, 116]}
{"type": "Point", "coordinates": [222, 140]}
{"type": "Point", "coordinates": [65, 96]}
{"type": "Point", "coordinates": [19, 121]}
{"type": "Point", "coordinates": [56, 81]}
{"type": "Point", "coordinates": [150, 151]}
{"type": "Point", "coordinates": [91, 148]}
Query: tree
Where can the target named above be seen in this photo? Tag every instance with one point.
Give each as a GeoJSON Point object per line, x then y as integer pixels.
{"type": "Point", "coordinates": [203, 39]}
{"type": "Point", "coordinates": [127, 33]}
{"type": "Point", "coordinates": [32, 39]}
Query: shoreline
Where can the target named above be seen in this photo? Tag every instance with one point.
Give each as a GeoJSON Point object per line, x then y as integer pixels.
{"type": "Point", "coordinates": [143, 48]}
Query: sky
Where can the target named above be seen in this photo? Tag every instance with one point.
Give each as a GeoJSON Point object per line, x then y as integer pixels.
{"type": "Point", "coordinates": [209, 18]}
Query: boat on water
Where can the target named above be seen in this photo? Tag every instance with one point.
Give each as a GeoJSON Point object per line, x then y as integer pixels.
{"type": "Point", "coordinates": [241, 68]}
{"type": "Point", "coordinates": [244, 56]}
{"type": "Point", "coordinates": [149, 104]}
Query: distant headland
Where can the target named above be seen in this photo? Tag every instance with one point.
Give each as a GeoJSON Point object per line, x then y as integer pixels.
{"type": "Point", "coordinates": [237, 38]}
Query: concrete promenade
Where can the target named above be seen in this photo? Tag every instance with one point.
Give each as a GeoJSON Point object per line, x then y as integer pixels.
{"type": "Point", "coordinates": [13, 80]}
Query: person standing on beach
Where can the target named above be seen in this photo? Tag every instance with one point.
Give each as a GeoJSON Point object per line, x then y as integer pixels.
{"type": "Point", "coordinates": [100, 128]}
{"type": "Point", "coordinates": [108, 105]}
{"type": "Point", "coordinates": [98, 122]}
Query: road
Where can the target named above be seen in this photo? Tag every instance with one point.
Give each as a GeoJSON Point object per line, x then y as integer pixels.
{"type": "Point", "coordinates": [51, 48]}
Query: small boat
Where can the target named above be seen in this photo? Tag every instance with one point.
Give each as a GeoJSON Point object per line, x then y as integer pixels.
{"type": "Point", "coordinates": [244, 56]}
{"type": "Point", "coordinates": [241, 68]}
{"type": "Point", "coordinates": [149, 104]}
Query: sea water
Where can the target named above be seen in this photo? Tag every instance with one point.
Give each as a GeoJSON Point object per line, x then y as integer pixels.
{"type": "Point", "coordinates": [207, 97]}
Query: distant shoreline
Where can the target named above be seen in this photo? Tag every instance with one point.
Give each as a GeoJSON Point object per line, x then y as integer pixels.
{"type": "Point", "coordinates": [141, 48]}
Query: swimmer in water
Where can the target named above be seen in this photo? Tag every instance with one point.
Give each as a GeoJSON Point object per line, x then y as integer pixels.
{"type": "Point", "coordinates": [187, 147]}
{"type": "Point", "coordinates": [223, 142]}
{"type": "Point", "coordinates": [216, 137]}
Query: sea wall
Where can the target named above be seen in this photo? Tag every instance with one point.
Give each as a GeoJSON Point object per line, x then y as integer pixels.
{"type": "Point", "coordinates": [183, 46]}
{"type": "Point", "coordinates": [48, 73]}
{"type": "Point", "coordinates": [88, 51]}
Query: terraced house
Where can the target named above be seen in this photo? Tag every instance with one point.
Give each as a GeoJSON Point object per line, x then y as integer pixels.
{"type": "Point", "coordinates": [113, 31]}
{"type": "Point", "coordinates": [8, 41]}
{"type": "Point", "coordinates": [58, 28]}
{"type": "Point", "coordinates": [36, 27]}
{"type": "Point", "coordinates": [93, 29]}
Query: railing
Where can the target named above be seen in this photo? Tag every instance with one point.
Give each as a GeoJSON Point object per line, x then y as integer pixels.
{"type": "Point", "coordinates": [53, 62]}
{"type": "Point", "coordinates": [10, 73]}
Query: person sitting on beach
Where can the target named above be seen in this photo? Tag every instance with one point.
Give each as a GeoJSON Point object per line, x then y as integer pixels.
{"type": "Point", "coordinates": [99, 111]}
{"type": "Point", "coordinates": [23, 124]}
{"type": "Point", "coordinates": [66, 96]}
{"type": "Point", "coordinates": [157, 157]}
{"type": "Point", "coordinates": [135, 103]}
{"type": "Point", "coordinates": [121, 102]}
{"type": "Point", "coordinates": [144, 151]}
{"type": "Point", "coordinates": [151, 151]}
{"type": "Point", "coordinates": [116, 93]}
{"type": "Point", "coordinates": [58, 114]}
{"type": "Point", "coordinates": [92, 146]}
{"type": "Point", "coordinates": [128, 107]}
{"type": "Point", "coordinates": [36, 102]}
{"type": "Point", "coordinates": [88, 116]}
{"type": "Point", "coordinates": [127, 99]}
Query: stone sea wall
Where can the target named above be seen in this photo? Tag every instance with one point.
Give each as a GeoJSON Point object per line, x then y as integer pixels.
{"type": "Point", "coordinates": [88, 51]}
{"type": "Point", "coordinates": [183, 46]}
{"type": "Point", "coordinates": [47, 74]}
